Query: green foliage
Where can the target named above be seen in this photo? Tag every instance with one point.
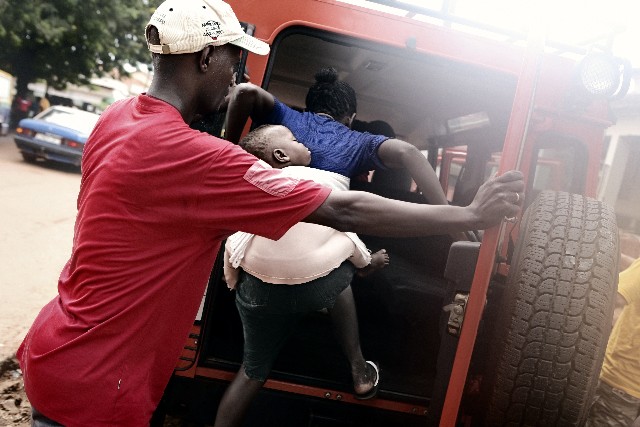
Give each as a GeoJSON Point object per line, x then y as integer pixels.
{"type": "Point", "coordinates": [70, 41]}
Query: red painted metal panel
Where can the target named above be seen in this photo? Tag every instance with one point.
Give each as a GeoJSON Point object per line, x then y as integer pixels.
{"type": "Point", "coordinates": [513, 147]}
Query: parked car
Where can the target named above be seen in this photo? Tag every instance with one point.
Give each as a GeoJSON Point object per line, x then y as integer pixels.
{"type": "Point", "coordinates": [4, 120]}
{"type": "Point", "coordinates": [58, 134]}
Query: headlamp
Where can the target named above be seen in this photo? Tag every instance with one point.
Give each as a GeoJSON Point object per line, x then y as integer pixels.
{"type": "Point", "coordinates": [600, 75]}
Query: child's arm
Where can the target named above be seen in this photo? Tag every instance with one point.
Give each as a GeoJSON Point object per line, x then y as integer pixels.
{"type": "Point", "coordinates": [361, 257]}
{"type": "Point", "coordinates": [230, 273]}
{"type": "Point", "coordinates": [234, 249]}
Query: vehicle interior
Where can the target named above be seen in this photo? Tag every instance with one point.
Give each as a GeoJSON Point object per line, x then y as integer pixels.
{"type": "Point", "coordinates": [457, 113]}
{"type": "Point", "coordinates": [416, 94]}
{"type": "Point", "coordinates": [431, 103]}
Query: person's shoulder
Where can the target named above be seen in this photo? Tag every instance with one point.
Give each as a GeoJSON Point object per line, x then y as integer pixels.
{"type": "Point", "coordinates": [120, 104]}
{"type": "Point", "coordinates": [113, 110]}
{"type": "Point", "coordinates": [629, 282]}
{"type": "Point", "coordinates": [367, 136]}
{"type": "Point", "coordinates": [632, 273]}
{"type": "Point", "coordinates": [281, 108]}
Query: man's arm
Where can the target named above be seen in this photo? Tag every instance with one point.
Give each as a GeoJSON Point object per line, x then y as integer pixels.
{"type": "Point", "coordinates": [370, 214]}
{"type": "Point", "coordinates": [246, 100]}
{"type": "Point", "coordinates": [397, 154]}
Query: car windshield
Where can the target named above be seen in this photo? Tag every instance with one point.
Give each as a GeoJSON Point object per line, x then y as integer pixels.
{"type": "Point", "coordinates": [78, 120]}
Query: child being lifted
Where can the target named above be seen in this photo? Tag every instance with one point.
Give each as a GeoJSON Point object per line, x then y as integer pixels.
{"type": "Point", "coordinates": [277, 282]}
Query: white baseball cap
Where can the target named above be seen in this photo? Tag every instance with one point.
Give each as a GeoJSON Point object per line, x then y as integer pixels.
{"type": "Point", "coordinates": [187, 26]}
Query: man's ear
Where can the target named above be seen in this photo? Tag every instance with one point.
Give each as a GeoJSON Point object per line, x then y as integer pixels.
{"type": "Point", "coordinates": [205, 58]}
{"type": "Point", "coordinates": [280, 156]}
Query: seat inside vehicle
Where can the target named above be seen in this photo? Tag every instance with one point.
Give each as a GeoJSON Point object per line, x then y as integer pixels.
{"type": "Point", "coordinates": [398, 310]}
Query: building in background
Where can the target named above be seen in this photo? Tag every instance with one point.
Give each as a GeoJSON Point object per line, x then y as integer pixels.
{"type": "Point", "coordinates": [6, 96]}
{"type": "Point", "coordinates": [620, 182]}
{"type": "Point", "coordinates": [100, 93]}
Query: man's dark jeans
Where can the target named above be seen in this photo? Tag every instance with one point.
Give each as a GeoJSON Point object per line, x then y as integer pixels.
{"type": "Point", "coordinates": [39, 420]}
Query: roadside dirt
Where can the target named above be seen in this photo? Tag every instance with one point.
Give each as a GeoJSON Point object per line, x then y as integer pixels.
{"type": "Point", "coordinates": [36, 232]}
{"type": "Point", "coordinates": [15, 409]}
{"type": "Point", "coordinates": [35, 240]}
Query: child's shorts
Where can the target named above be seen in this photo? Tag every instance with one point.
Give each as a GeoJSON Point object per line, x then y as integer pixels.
{"type": "Point", "coordinates": [270, 312]}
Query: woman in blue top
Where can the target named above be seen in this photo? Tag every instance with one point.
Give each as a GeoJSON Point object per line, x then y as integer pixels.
{"type": "Point", "coordinates": [325, 129]}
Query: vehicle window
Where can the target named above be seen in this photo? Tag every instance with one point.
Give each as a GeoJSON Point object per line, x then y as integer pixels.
{"type": "Point", "coordinates": [628, 196]}
{"type": "Point", "coordinates": [80, 121]}
{"type": "Point", "coordinates": [450, 167]}
{"type": "Point", "coordinates": [454, 173]}
{"type": "Point", "coordinates": [559, 164]}
{"type": "Point", "coordinates": [414, 93]}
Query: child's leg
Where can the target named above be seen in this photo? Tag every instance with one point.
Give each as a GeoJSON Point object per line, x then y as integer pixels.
{"type": "Point", "coordinates": [236, 400]}
{"type": "Point", "coordinates": [345, 323]}
{"type": "Point", "coordinates": [379, 260]}
{"type": "Point", "coordinates": [265, 332]}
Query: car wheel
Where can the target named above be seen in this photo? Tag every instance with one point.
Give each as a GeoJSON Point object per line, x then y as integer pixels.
{"type": "Point", "coordinates": [556, 321]}
{"type": "Point", "coordinates": [28, 157]}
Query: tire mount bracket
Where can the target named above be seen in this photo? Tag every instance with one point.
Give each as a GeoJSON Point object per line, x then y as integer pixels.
{"type": "Point", "coordinates": [456, 313]}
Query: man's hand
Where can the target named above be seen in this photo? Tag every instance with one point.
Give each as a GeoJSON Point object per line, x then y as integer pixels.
{"type": "Point", "coordinates": [498, 198]}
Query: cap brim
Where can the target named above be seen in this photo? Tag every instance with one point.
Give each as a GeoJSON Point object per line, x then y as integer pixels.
{"type": "Point", "coordinates": [251, 44]}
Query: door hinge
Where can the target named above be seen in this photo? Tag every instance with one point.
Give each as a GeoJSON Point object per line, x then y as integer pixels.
{"type": "Point", "coordinates": [456, 313]}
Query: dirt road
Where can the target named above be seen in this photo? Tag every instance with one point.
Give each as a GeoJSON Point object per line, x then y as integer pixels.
{"type": "Point", "coordinates": [37, 213]}
{"type": "Point", "coordinates": [36, 231]}
{"type": "Point", "coordinates": [38, 208]}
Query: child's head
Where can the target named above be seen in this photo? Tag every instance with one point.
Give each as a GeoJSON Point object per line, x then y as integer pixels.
{"type": "Point", "coordinates": [276, 145]}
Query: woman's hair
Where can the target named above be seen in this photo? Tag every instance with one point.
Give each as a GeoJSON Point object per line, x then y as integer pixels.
{"type": "Point", "coordinates": [330, 96]}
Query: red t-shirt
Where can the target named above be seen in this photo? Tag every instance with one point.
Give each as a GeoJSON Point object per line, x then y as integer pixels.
{"type": "Point", "coordinates": [155, 201]}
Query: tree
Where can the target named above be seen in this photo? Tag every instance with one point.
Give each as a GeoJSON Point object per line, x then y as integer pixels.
{"type": "Point", "coordinates": [71, 41]}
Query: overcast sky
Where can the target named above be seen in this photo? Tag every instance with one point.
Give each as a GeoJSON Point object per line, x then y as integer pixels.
{"type": "Point", "coordinates": [568, 21]}
{"type": "Point", "coordinates": [571, 21]}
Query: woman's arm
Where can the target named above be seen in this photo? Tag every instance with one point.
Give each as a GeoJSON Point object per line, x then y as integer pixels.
{"type": "Point", "coordinates": [246, 100]}
{"type": "Point", "coordinates": [396, 154]}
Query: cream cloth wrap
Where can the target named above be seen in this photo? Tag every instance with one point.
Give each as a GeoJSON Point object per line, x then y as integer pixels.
{"type": "Point", "coordinates": [306, 252]}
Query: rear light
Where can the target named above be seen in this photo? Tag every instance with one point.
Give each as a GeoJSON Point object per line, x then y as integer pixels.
{"type": "Point", "coordinates": [72, 144]}
{"type": "Point", "coordinates": [25, 132]}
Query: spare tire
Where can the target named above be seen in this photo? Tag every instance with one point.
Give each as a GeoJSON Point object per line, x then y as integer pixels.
{"type": "Point", "coordinates": [556, 316]}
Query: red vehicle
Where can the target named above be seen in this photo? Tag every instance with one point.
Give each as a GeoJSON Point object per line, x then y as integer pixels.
{"type": "Point", "coordinates": [508, 328]}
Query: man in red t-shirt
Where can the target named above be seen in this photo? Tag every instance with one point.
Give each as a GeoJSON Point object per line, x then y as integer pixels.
{"type": "Point", "coordinates": [156, 200]}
